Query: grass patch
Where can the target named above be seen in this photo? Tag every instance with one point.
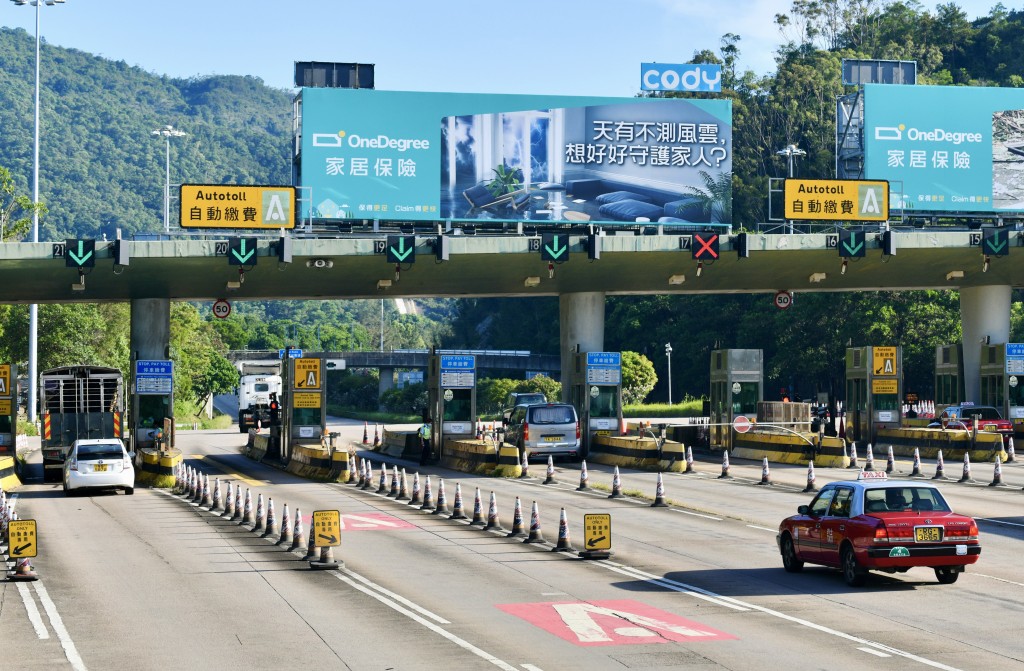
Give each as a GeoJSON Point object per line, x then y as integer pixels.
{"type": "Point", "coordinates": [27, 428]}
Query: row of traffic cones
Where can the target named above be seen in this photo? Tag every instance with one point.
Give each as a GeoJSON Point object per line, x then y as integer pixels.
{"type": "Point", "coordinates": [366, 436]}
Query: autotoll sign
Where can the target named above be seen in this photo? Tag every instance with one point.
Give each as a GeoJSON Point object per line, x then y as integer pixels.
{"type": "Point", "coordinates": [233, 206]}
{"type": "Point", "coordinates": [326, 528]}
{"type": "Point", "coordinates": [837, 199]}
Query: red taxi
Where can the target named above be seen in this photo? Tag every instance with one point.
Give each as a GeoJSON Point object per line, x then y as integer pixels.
{"type": "Point", "coordinates": [877, 524]}
{"type": "Point", "coordinates": [962, 417]}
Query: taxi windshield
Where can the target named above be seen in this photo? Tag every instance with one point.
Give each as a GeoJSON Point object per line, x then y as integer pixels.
{"type": "Point", "coordinates": [904, 498]}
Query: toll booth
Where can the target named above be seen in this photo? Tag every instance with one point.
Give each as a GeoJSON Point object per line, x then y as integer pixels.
{"type": "Point", "coordinates": [737, 386]}
{"type": "Point", "coordinates": [151, 420]}
{"type": "Point", "coordinates": [451, 398]}
{"type": "Point", "coordinates": [949, 376]}
{"type": "Point", "coordinates": [8, 410]}
{"type": "Point", "coordinates": [874, 387]}
{"type": "Point", "coordinates": [596, 392]}
{"type": "Point", "coordinates": [1002, 381]}
{"type": "Point", "coordinates": [304, 407]}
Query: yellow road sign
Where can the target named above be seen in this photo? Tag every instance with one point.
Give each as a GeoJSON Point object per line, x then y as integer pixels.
{"type": "Point", "coordinates": [307, 373]}
{"type": "Point", "coordinates": [326, 528]}
{"type": "Point", "coordinates": [597, 531]}
{"type": "Point", "coordinates": [884, 386]}
{"type": "Point", "coordinates": [306, 400]}
{"type": "Point", "coordinates": [22, 539]}
{"type": "Point", "coordinates": [836, 199]}
{"type": "Point", "coordinates": [883, 360]}
{"type": "Point", "coordinates": [5, 406]}
{"type": "Point", "coordinates": [234, 206]}
{"type": "Point", "coordinates": [5, 379]}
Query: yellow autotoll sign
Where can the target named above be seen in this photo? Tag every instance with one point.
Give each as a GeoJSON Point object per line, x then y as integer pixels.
{"type": "Point", "coordinates": [884, 360]}
{"type": "Point", "coordinates": [884, 386]}
{"type": "Point", "coordinates": [597, 531]}
{"type": "Point", "coordinates": [5, 379]}
{"type": "Point", "coordinates": [234, 206]}
{"type": "Point", "coordinates": [307, 373]}
{"type": "Point", "coordinates": [837, 199]}
{"type": "Point", "coordinates": [5, 406]}
{"type": "Point", "coordinates": [326, 528]}
{"type": "Point", "coordinates": [22, 539]}
{"type": "Point", "coordinates": [306, 400]}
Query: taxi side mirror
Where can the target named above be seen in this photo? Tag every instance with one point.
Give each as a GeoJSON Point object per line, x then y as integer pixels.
{"type": "Point", "coordinates": [803, 510]}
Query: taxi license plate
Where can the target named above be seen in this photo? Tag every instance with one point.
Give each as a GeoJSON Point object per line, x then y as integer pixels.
{"type": "Point", "coordinates": [604, 432]}
{"type": "Point", "coordinates": [927, 534]}
{"type": "Point", "coordinates": [552, 439]}
{"type": "Point", "coordinates": [99, 468]}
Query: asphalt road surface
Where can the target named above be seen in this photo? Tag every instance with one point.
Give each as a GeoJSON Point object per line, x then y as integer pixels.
{"type": "Point", "coordinates": [152, 581]}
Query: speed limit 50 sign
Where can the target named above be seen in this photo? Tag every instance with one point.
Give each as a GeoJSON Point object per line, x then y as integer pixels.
{"type": "Point", "coordinates": [783, 299]}
{"type": "Point", "coordinates": [221, 309]}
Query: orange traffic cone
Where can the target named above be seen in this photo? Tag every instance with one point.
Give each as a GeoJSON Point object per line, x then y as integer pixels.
{"type": "Point", "coordinates": [659, 494]}
{"type": "Point", "coordinates": [457, 512]}
{"type": "Point", "coordinates": [366, 436]}
{"type": "Point", "coordinates": [298, 536]}
{"type": "Point", "coordinates": [478, 511]}
{"type": "Point", "coordinates": [518, 531]}
{"type": "Point", "coordinates": [493, 523]}
{"type": "Point", "coordinates": [563, 544]}
{"type": "Point", "coordinates": [535, 532]}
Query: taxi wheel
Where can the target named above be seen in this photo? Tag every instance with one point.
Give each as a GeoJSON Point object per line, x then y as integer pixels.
{"type": "Point", "coordinates": [789, 558]}
{"type": "Point", "coordinates": [946, 576]}
{"type": "Point", "coordinates": [853, 574]}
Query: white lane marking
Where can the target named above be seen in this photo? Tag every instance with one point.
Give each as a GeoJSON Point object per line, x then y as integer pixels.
{"type": "Point", "coordinates": [1002, 522]}
{"type": "Point", "coordinates": [992, 577]}
{"type": "Point", "coordinates": [670, 584]}
{"type": "Point", "coordinates": [754, 526]}
{"type": "Point", "coordinates": [466, 645]}
{"type": "Point", "coordinates": [396, 597]}
{"type": "Point", "coordinates": [58, 628]}
{"type": "Point", "coordinates": [877, 653]}
{"type": "Point", "coordinates": [531, 667]}
{"type": "Point", "coordinates": [33, 612]}
{"type": "Point", "coordinates": [687, 512]}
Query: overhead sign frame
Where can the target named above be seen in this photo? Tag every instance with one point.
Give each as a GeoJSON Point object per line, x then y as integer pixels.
{"type": "Point", "coordinates": [237, 206]}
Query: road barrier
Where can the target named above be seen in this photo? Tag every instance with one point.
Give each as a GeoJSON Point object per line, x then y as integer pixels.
{"type": "Point", "coordinates": [790, 448]}
{"type": "Point", "coordinates": [637, 452]}
{"type": "Point", "coordinates": [156, 469]}
{"type": "Point", "coordinates": [984, 446]}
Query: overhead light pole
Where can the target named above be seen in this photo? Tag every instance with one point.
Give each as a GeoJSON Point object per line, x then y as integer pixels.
{"type": "Point", "coordinates": [168, 132]}
{"type": "Point", "coordinates": [789, 152]}
{"type": "Point", "coordinates": [33, 309]}
{"type": "Point", "coordinates": [668, 353]}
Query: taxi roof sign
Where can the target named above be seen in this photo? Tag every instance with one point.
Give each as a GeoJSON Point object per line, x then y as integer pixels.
{"type": "Point", "coordinates": [872, 475]}
{"type": "Point", "coordinates": [237, 206]}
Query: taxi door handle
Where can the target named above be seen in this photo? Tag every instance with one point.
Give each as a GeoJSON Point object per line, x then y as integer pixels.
{"type": "Point", "coordinates": [842, 527]}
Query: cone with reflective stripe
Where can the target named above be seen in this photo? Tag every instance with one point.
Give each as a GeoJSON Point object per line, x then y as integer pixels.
{"type": "Point", "coordinates": [966, 477]}
{"type": "Point", "coordinates": [725, 466]}
{"type": "Point", "coordinates": [271, 526]}
{"type": "Point", "coordinates": [298, 534]}
{"type": "Point", "coordinates": [563, 544]}
{"type": "Point", "coordinates": [382, 488]}
{"type": "Point", "coordinates": [689, 460]}
{"type": "Point", "coordinates": [550, 478]}
{"type": "Point", "coordinates": [260, 514]}
{"type": "Point", "coordinates": [811, 487]}
{"type": "Point", "coordinates": [442, 502]}
{"type": "Point", "coordinates": [23, 571]}
{"type": "Point", "coordinates": [376, 436]}
{"type": "Point", "coordinates": [1010, 456]}
{"type": "Point", "coordinates": [766, 478]}
{"type": "Point", "coordinates": [583, 477]}
{"type": "Point", "coordinates": [853, 455]}
{"type": "Point", "coordinates": [229, 503]}
{"type": "Point", "coordinates": [237, 515]}
{"type": "Point", "coordinates": [206, 500]}
{"type": "Point", "coordinates": [458, 513]}
{"type": "Point", "coordinates": [997, 474]}
{"type": "Point", "coordinates": [197, 488]}
{"type": "Point", "coordinates": [352, 477]}
{"type": "Point", "coordinates": [415, 500]}
{"type": "Point", "coordinates": [525, 466]}
{"type": "Point", "coordinates": [311, 551]}
{"type": "Point", "coordinates": [869, 459]}
{"type": "Point", "coordinates": [916, 470]}
{"type": "Point", "coordinates": [368, 479]}
{"type": "Point", "coordinates": [366, 437]}
{"type": "Point", "coordinates": [247, 517]}
{"type": "Point", "coordinates": [403, 488]}
{"type": "Point", "coordinates": [286, 528]}
{"type": "Point", "coordinates": [326, 560]}
{"type": "Point", "coordinates": [659, 494]}
{"type": "Point", "coordinates": [493, 523]}
{"type": "Point", "coordinates": [428, 496]}
{"type": "Point", "coordinates": [616, 485]}
{"type": "Point", "coordinates": [536, 536]}
{"type": "Point", "coordinates": [940, 473]}
{"type": "Point", "coordinates": [393, 493]}
{"type": "Point", "coordinates": [890, 461]}
{"type": "Point", "coordinates": [518, 528]}
{"type": "Point", "coordinates": [478, 510]}
{"type": "Point", "coordinates": [217, 502]}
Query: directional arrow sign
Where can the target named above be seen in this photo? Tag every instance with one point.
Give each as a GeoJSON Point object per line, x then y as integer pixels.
{"type": "Point", "coordinates": [242, 252]}
{"type": "Point", "coordinates": [79, 253]}
{"type": "Point", "coordinates": [22, 538]}
{"type": "Point", "coordinates": [326, 528]}
{"type": "Point", "coordinates": [328, 540]}
{"type": "Point", "coordinates": [20, 550]}
{"type": "Point", "coordinates": [401, 249]}
{"type": "Point", "coordinates": [593, 542]}
{"type": "Point", "coordinates": [995, 242]}
{"type": "Point", "coordinates": [851, 244]}
{"type": "Point", "coordinates": [554, 247]}
{"type": "Point", "coordinates": [597, 531]}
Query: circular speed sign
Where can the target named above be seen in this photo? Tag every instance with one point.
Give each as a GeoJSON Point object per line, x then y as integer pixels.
{"type": "Point", "coordinates": [783, 299]}
{"type": "Point", "coordinates": [221, 309]}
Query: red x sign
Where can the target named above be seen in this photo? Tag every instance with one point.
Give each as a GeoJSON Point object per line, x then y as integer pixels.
{"type": "Point", "coordinates": [705, 249]}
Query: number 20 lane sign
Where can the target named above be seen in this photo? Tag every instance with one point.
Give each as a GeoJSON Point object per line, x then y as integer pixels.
{"type": "Point", "coordinates": [783, 300]}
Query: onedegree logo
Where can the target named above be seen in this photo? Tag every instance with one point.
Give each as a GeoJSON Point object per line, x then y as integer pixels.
{"type": "Point", "coordinates": [918, 135]}
{"type": "Point", "coordinates": [359, 142]}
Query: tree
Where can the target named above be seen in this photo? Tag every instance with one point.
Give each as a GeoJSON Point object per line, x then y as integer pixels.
{"type": "Point", "coordinates": [15, 209]}
{"type": "Point", "coordinates": [638, 378]}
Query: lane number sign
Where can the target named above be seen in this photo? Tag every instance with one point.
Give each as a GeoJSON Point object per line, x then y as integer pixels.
{"type": "Point", "coordinates": [783, 299]}
{"type": "Point", "coordinates": [221, 309]}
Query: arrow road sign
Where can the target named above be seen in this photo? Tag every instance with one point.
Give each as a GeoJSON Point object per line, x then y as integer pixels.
{"type": "Point", "coordinates": [554, 247]}
{"type": "Point", "coordinates": [242, 252]}
{"type": "Point", "coordinates": [995, 242]}
{"type": "Point", "coordinates": [20, 550]}
{"type": "Point", "coordinates": [851, 244]}
{"type": "Point", "coordinates": [79, 253]}
{"type": "Point", "coordinates": [330, 540]}
{"type": "Point", "coordinates": [593, 542]}
{"type": "Point", "coordinates": [704, 247]}
{"type": "Point", "coordinates": [326, 528]}
{"type": "Point", "coordinates": [401, 249]}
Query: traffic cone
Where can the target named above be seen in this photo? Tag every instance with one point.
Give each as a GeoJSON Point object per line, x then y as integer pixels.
{"type": "Point", "coordinates": [442, 503]}
{"type": "Point", "coordinates": [479, 431]}
{"type": "Point", "coordinates": [260, 514]}
{"type": "Point", "coordinates": [394, 483]}
{"type": "Point", "coordinates": [939, 469]}
{"type": "Point", "coordinates": [217, 503]}
{"type": "Point", "coordinates": [428, 496]}
{"type": "Point", "coordinates": [326, 560]}
{"type": "Point", "coordinates": [206, 501]}
{"type": "Point", "coordinates": [997, 474]}
{"type": "Point", "coordinates": [616, 485]}
{"type": "Point", "coordinates": [659, 494]}
{"type": "Point", "coordinates": [810, 477]}
{"type": "Point", "coordinates": [237, 515]}
{"type": "Point", "coordinates": [368, 479]}
{"type": "Point", "coordinates": [563, 544]}
{"type": "Point", "coordinates": [229, 503]}
{"type": "Point", "coordinates": [478, 512]}
{"type": "Point", "coordinates": [583, 477]}
{"type": "Point", "coordinates": [247, 517]}
{"type": "Point", "coordinates": [271, 526]}
{"type": "Point", "coordinates": [23, 571]}
{"type": "Point", "coordinates": [535, 532]}
{"type": "Point", "coordinates": [842, 428]}
{"type": "Point", "coordinates": [457, 512]}
{"type": "Point", "coordinates": [689, 460]}
{"type": "Point", "coordinates": [197, 490]}
{"type": "Point", "coordinates": [915, 472]}
{"type": "Point", "coordinates": [403, 489]}
{"type": "Point", "coordinates": [1010, 456]}
{"type": "Point", "coordinates": [853, 455]}
{"type": "Point", "coordinates": [352, 477]}
{"type": "Point", "coordinates": [890, 462]}
{"type": "Point", "coordinates": [415, 499]}
{"type": "Point", "coordinates": [966, 477]}
{"type": "Point", "coordinates": [550, 479]}
{"type": "Point", "coordinates": [366, 437]}
{"type": "Point", "coordinates": [725, 466]}
{"type": "Point", "coordinates": [623, 427]}
{"type": "Point", "coordinates": [382, 488]}
{"type": "Point", "coordinates": [286, 528]}
{"type": "Point", "coordinates": [311, 552]}
{"type": "Point", "coordinates": [298, 536]}
{"type": "Point", "coordinates": [765, 474]}
{"type": "Point", "coordinates": [376, 436]}
{"type": "Point", "coordinates": [518, 530]}
{"type": "Point", "coordinates": [525, 470]}
{"type": "Point", "coordinates": [493, 523]}
{"type": "Point", "coordinates": [869, 459]}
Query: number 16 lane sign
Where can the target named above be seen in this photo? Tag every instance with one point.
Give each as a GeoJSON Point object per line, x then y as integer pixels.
{"type": "Point", "coordinates": [783, 300]}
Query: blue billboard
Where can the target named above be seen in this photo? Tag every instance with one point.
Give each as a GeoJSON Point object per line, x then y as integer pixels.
{"type": "Point", "coordinates": [368, 154]}
{"type": "Point", "coordinates": [953, 148]}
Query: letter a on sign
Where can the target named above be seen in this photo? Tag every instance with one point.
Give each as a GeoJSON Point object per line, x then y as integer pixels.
{"type": "Point", "coordinates": [311, 380]}
{"type": "Point", "coordinates": [275, 210]}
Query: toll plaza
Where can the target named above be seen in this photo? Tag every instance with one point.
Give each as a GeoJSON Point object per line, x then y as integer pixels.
{"type": "Point", "coordinates": [874, 380]}
{"type": "Point", "coordinates": [451, 398]}
{"type": "Point", "coordinates": [8, 410]}
{"type": "Point", "coordinates": [737, 386]}
{"type": "Point", "coordinates": [949, 376]}
{"type": "Point", "coordinates": [152, 404]}
{"type": "Point", "coordinates": [304, 407]}
{"type": "Point", "coordinates": [1002, 381]}
{"type": "Point", "coordinates": [596, 391]}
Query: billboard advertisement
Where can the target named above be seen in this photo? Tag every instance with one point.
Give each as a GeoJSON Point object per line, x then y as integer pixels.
{"type": "Point", "coordinates": [369, 154]}
{"type": "Point", "coordinates": [954, 148]}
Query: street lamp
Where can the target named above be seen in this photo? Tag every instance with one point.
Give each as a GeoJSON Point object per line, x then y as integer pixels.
{"type": "Point", "coordinates": [33, 309]}
{"type": "Point", "coordinates": [668, 353]}
{"type": "Point", "coordinates": [167, 132]}
{"type": "Point", "coordinates": [789, 152]}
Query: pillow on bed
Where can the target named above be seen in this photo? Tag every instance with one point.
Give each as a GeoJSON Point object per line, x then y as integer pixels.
{"type": "Point", "coordinates": [629, 210]}
{"type": "Point", "coordinates": [616, 196]}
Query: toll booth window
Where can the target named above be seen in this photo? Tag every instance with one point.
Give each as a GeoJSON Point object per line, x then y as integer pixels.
{"type": "Point", "coordinates": [745, 402]}
{"type": "Point", "coordinates": [460, 408]}
{"type": "Point", "coordinates": [152, 410]}
{"type": "Point", "coordinates": [5, 424]}
{"type": "Point", "coordinates": [305, 416]}
{"type": "Point", "coordinates": [886, 402]}
{"type": "Point", "coordinates": [606, 403]}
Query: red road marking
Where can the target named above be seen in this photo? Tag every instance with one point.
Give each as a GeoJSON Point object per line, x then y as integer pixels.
{"type": "Point", "coordinates": [373, 522]}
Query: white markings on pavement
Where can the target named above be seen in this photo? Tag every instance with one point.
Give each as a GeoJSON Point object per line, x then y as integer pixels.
{"type": "Point", "coordinates": [754, 526]}
{"type": "Point", "coordinates": [877, 653]}
{"type": "Point", "coordinates": [1002, 522]}
{"type": "Point", "coordinates": [992, 577]}
{"type": "Point", "coordinates": [58, 628]}
{"type": "Point", "coordinates": [33, 612]}
{"type": "Point", "coordinates": [687, 512]}
{"type": "Point", "coordinates": [396, 597]}
{"type": "Point", "coordinates": [531, 667]}
{"type": "Point", "coordinates": [670, 584]}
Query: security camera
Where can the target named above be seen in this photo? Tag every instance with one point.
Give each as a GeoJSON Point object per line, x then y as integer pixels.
{"type": "Point", "coordinates": [319, 263]}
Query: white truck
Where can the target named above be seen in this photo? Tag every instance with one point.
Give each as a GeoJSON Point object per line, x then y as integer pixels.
{"type": "Point", "coordinates": [256, 382]}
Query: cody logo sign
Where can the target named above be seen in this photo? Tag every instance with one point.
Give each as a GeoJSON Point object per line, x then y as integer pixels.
{"type": "Point", "coordinates": [686, 77]}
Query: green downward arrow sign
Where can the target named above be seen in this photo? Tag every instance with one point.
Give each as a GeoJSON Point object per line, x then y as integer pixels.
{"type": "Point", "coordinates": [853, 249]}
{"type": "Point", "coordinates": [401, 253]}
{"type": "Point", "coordinates": [241, 254]}
{"type": "Point", "coordinates": [81, 257]}
{"type": "Point", "coordinates": [555, 251]}
{"type": "Point", "coordinates": [993, 243]}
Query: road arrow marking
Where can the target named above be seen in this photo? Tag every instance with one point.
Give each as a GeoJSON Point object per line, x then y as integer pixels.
{"type": "Point", "coordinates": [852, 251]}
{"type": "Point", "coordinates": [81, 257]}
{"type": "Point", "coordinates": [556, 252]}
{"type": "Point", "coordinates": [401, 253]}
{"type": "Point", "coordinates": [243, 257]}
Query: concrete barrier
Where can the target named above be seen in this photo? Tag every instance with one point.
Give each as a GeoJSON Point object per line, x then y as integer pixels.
{"type": "Point", "coordinates": [638, 453]}
{"type": "Point", "coordinates": [257, 446]}
{"type": "Point", "coordinates": [399, 444]}
{"type": "Point", "coordinates": [481, 458]}
{"type": "Point", "coordinates": [157, 469]}
{"type": "Point", "coordinates": [787, 448]}
{"type": "Point", "coordinates": [953, 443]}
{"type": "Point", "coordinates": [315, 462]}
{"type": "Point", "coordinates": [8, 474]}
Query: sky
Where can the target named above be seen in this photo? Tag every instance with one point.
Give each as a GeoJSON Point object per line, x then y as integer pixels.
{"type": "Point", "coordinates": [565, 47]}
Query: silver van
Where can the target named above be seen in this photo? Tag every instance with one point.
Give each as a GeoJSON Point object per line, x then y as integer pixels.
{"type": "Point", "coordinates": [544, 429]}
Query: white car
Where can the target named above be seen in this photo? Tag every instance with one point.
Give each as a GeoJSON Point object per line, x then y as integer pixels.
{"type": "Point", "coordinates": [99, 463]}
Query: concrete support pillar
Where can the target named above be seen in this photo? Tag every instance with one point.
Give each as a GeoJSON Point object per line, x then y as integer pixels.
{"type": "Point", "coordinates": [985, 318]}
{"type": "Point", "coordinates": [387, 381]}
{"type": "Point", "coordinates": [581, 323]}
{"type": "Point", "coordinates": [150, 328]}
